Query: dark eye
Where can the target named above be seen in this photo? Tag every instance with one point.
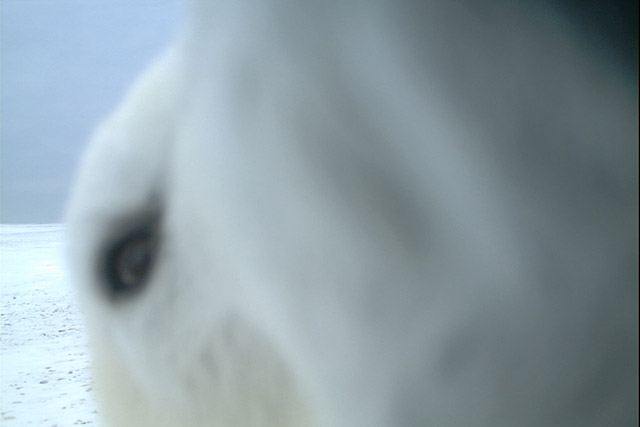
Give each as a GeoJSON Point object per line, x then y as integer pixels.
{"type": "Point", "coordinates": [129, 261]}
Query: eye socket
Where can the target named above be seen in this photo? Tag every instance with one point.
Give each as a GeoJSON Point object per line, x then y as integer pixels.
{"type": "Point", "coordinates": [129, 262]}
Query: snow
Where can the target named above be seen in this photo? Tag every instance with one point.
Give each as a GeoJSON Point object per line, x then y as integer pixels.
{"type": "Point", "coordinates": [44, 357]}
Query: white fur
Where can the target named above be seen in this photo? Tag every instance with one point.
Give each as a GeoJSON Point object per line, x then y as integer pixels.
{"type": "Point", "coordinates": [372, 214]}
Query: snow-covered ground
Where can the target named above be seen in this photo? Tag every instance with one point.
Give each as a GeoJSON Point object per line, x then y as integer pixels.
{"type": "Point", "coordinates": [44, 358]}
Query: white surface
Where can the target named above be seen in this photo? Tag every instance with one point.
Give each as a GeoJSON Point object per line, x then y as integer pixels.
{"type": "Point", "coordinates": [44, 356]}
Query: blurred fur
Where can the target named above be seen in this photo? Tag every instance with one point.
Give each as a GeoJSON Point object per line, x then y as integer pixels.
{"type": "Point", "coordinates": [372, 214]}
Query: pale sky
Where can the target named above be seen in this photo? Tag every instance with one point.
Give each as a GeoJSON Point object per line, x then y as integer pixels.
{"type": "Point", "coordinates": [64, 65]}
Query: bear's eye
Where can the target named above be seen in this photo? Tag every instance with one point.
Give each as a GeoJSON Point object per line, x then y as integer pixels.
{"type": "Point", "coordinates": [129, 261]}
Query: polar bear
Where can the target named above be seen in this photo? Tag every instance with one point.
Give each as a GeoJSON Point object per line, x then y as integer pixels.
{"type": "Point", "coordinates": [366, 213]}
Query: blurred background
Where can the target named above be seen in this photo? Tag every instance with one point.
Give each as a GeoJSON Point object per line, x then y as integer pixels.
{"type": "Point", "coordinates": [64, 65]}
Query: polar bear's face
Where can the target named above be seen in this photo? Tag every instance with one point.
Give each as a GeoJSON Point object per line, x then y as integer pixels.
{"type": "Point", "coordinates": [365, 215]}
{"type": "Point", "coordinates": [161, 356]}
